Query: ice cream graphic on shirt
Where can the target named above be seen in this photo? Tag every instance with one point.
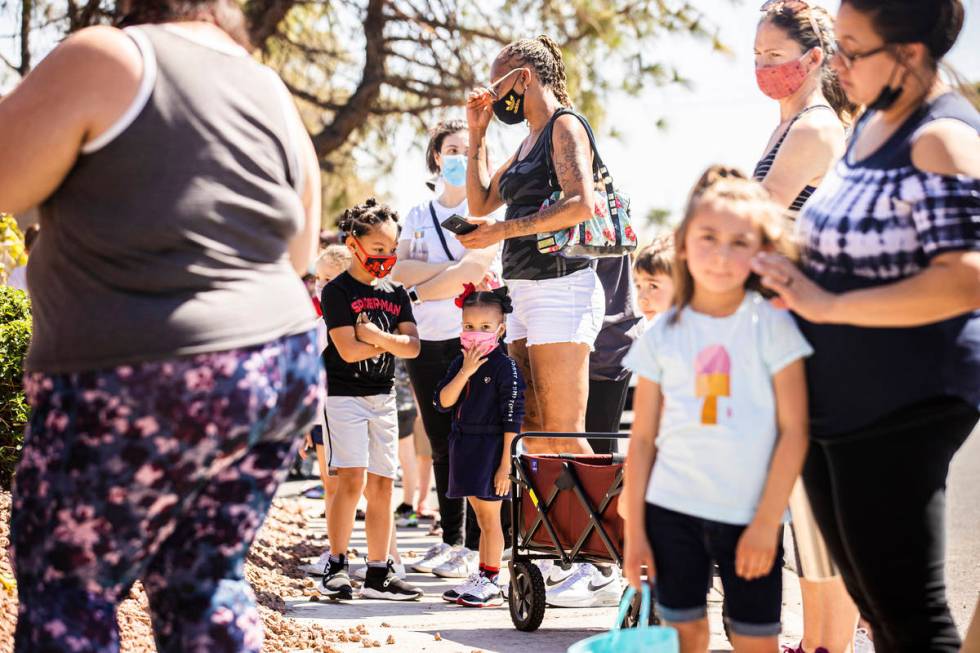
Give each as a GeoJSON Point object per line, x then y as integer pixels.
{"type": "Point", "coordinates": [712, 367]}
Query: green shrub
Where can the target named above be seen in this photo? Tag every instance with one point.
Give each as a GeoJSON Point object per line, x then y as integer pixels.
{"type": "Point", "coordinates": [15, 336]}
{"type": "Point", "coordinates": [12, 251]}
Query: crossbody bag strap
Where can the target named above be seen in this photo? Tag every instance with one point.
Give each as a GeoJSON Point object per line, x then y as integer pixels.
{"type": "Point", "coordinates": [438, 228]}
{"type": "Point", "coordinates": [599, 170]}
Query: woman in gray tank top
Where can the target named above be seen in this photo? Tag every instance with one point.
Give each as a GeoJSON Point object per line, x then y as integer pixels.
{"type": "Point", "coordinates": [173, 365]}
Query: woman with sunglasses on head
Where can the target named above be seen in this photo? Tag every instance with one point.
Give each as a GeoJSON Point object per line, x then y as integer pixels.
{"type": "Point", "coordinates": [888, 296]}
{"type": "Point", "coordinates": [793, 46]}
{"type": "Point", "coordinates": [558, 302]}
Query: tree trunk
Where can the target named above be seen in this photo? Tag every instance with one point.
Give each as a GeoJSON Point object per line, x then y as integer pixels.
{"type": "Point", "coordinates": [356, 110]}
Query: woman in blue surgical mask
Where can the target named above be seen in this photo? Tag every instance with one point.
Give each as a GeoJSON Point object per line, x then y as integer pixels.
{"type": "Point", "coordinates": [433, 266]}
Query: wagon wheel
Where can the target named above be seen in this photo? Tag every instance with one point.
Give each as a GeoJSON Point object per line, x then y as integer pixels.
{"type": "Point", "coordinates": [526, 598]}
{"type": "Point", "coordinates": [632, 618]}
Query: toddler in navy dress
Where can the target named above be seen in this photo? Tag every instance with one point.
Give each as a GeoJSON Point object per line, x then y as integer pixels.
{"type": "Point", "coordinates": [484, 390]}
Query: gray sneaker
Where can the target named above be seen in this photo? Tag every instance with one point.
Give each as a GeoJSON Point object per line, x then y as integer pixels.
{"type": "Point", "coordinates": [320, 567]}
{"type": "Point", "coordinates": [463, 563]}
{"type": "Point", "coordinates": [434, 557]}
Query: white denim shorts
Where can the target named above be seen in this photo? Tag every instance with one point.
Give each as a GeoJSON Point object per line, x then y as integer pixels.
{"type": "Point", "coordinates": [363, 432]}
{"type": "Point", "coordinates": [550, 311]}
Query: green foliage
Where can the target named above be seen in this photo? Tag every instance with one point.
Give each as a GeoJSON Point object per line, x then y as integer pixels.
{"type": "Point", "coordinates": [659, 218]}
{"type": "Point", "coordinates": [15, 336]}
{"type": "Point", "coordinates": [12, 252]}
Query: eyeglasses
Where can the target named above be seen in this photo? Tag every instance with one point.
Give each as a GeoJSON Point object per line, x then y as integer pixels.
{"type": "Point", "coordinates": [850, 59]}
{"type": "Point", "coordinates": [797, 7]}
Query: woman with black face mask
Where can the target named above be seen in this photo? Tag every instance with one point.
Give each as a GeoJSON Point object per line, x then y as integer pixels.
{"type": "Point", "coordinates": [888, 297]}
{"type": "Point", "coordinates": [558, 302]}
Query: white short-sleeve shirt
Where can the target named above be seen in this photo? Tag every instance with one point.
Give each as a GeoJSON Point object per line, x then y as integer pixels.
{"type": "Point", "coordinates": [440, 319]}
{"type": "Point", "coordinates": [718, 424]}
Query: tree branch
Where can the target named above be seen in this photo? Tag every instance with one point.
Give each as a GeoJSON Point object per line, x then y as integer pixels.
{"type": "Point", "coordinates": [25, 37]}
{"type": "Point", "coordinates": [264, 17]}
{"type": "Point", "coordinates": [9, 64]}
{"type": "Point", "coordinates": [354, 113]}
{"type": "Point", "coordinates": [434, 24]}
{"type": "Point", "coordinates": [306, 96]}
{"type": "Point", "coordinates": [88, 13]}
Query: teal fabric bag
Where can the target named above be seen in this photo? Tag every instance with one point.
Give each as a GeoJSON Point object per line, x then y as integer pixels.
{"type": "Point", "coordinates": [642, 639]}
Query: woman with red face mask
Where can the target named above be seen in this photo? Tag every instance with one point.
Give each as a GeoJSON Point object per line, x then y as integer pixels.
{"type": "Point", "coordinates": [793, 45]}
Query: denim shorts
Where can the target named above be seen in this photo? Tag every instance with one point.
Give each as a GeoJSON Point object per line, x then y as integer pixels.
{"type": "Point", "coordinates": [685, 550]}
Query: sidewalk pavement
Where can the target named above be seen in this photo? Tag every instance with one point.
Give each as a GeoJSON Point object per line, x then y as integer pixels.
{"type": "Point", "coordinates": [413, 626]}
{"type": "Point", "coordinates": [433, 625]}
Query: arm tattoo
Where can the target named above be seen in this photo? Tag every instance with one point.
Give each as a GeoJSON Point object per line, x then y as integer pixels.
{"type": "Point", "coordinates": [478, 153]}
{"type": "Point", "coordinates": [571, 161]}
{"type": "Point", "coordinates": [567, 164]}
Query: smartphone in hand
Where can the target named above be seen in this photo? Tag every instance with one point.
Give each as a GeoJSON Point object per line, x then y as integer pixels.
{"type": "Point", "coordinates": [458, 225]}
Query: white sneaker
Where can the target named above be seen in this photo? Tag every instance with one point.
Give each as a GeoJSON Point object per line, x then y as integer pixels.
{"type": "Point", "coordinates": [452, 595]}
{"type": "Point", "coordinates": [863, 642]}
{"type": "Point", "coordinates": [483, 594]}
{"type": "Point", "coordinates": [400, 572]}
{"type": "Point", "coordinates": [319, 567]}
{"type": "Point", "coordinates": [588, 587]}
{"type": "Point", "coordinates": [503, 581]}
{"type": "Point", "coordinates": [434, 557]}
{"type": "Point", "coordinates": [553, 573]}
{"type": "Point", "coordinates": [463, 563]}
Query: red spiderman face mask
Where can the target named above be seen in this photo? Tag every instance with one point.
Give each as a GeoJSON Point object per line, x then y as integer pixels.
{"type": "Point", "coordinates": [378, 267]}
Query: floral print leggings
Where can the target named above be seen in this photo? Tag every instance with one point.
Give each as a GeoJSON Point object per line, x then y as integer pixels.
{"type": "Point", "coordinates": [159, 471]}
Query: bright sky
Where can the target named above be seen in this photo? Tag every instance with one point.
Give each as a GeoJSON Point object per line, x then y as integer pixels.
{"type": "Point", "coordinates": [723, 119]}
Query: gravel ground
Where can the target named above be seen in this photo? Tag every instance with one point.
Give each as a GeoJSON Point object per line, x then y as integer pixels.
{"type": "Point", "coordinates": [298, 622]}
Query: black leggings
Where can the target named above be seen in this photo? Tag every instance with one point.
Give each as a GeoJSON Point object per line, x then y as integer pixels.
{"type": "Point", "coordinates": [605, 410]}
{"type": "Point", "coordinates": [879, 496]}
{"type": "Point", "coordinates": [425, 372]}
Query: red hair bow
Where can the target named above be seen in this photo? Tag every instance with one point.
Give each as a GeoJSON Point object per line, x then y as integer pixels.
{"type": "Point", "coordinates": [468, 289]}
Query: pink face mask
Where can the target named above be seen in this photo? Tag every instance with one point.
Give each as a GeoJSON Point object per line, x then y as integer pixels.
{"type": "Point", "coordinates": [781, 80]}
{"type": "Point", "coordinates": [485, 341]}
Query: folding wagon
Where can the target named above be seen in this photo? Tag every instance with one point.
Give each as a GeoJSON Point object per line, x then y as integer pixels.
{"type": "Point", "coordinates": [564, 509]}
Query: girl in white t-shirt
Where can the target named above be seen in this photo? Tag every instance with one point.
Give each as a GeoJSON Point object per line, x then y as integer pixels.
{"type": "Point", "coordinates": [720, 432]}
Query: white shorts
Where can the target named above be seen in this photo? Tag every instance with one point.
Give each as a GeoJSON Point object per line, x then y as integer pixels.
{"type": "Point", "coordinates": [566, 309]}
{"type": "Point", "coordinates": [363, 432]}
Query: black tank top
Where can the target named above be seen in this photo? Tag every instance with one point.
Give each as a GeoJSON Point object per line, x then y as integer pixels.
{"type": "Point", "coordinates": [765, 164]}
{"type": "Point", "coordinates": [523, 187]}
